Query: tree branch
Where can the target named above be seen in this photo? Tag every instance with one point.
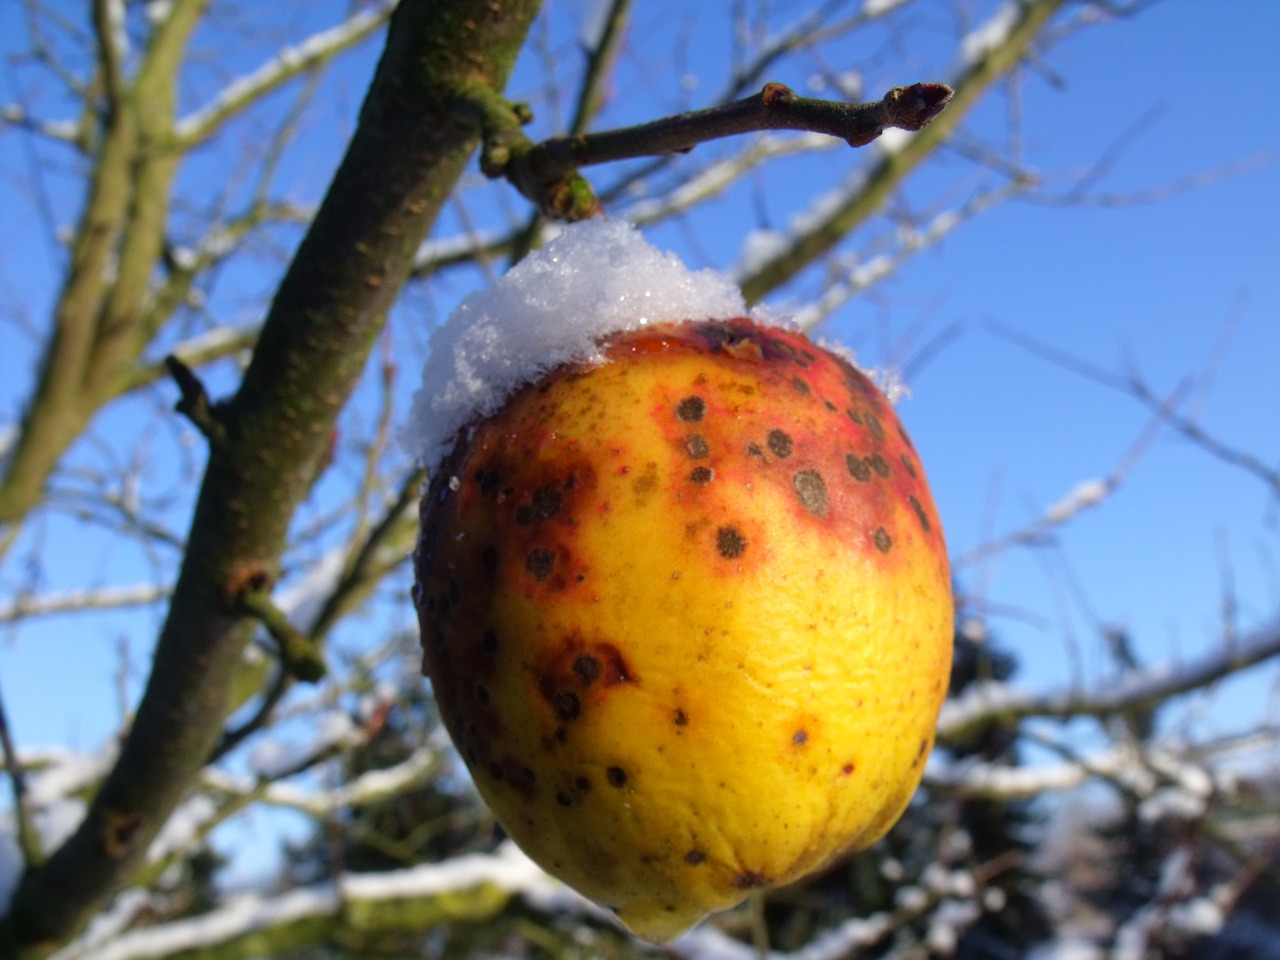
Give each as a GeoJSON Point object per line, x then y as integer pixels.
{"type": "Point", "coordinates": [289, 63]}
{"type": "Point", "coordinates": [548, 169]}
{"type": "Point", "coordinates": [406, 155]}
{"type": "Point", "coordinates": [297, 652]}
{"type": "Point", "coordinates": [983, 66]}
{"type": "Point", "coordinates": [194, 403]}
{"type": "Point", "coordinates": [998, 703]}
{"type": "Point", "coordinates": [469, 888]}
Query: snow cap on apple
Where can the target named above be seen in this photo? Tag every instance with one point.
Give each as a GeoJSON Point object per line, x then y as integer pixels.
{"type": "Point", "coordinates": [683, 593]}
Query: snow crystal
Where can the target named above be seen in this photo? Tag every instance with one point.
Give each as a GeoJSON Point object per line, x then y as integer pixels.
{"type": "Point", "coordinates": [1198, 916]}
{"type": "Point", "coordinates": [1067, 949]}
{"type": "Point", "coordinates": [1087, 494]}
{"type": "Point", "coordinates": [912, 899]}
{"type": "Point", "coordinates": [183, 827]}
{"type": "Point", "coordinates": [69, 773]}
{"type": "Point", "coordinates": [892, 141]}
{"type": "Point", "coordinates": [877, 8]}
{"type": "Point", "coordinates": [951, 917]}
{"type": "Point", "coordinates": [507, 868]}
{"type": "Point", "coordinates": [597, 277]}
{"type": "Point", "coordinates": [1171, 803]}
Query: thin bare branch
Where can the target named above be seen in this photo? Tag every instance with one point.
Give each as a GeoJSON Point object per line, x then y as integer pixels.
{"type": "Point", "coordinates": [287, 64]}
{"type": "Point", "coordinates": [909, 242]}
{"type": "Point", "coordinates": [63, 131]}
{"type": "Point", "coordinates": [25, 607]}
{"type": "Point", "coordinates": [1138, 388]}
{"type": "Point", "coordinates": [991, 53]}
{"type": "Point", "coordinates": [1086, 495]}
{"type": "Point", "coordinates": [998, 703]}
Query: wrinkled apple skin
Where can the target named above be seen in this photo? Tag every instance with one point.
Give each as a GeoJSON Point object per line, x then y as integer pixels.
{"type": "Point", "coordinates": [687, 616]}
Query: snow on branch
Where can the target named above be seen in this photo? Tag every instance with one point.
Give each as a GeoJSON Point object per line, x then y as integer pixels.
{"type": "Point", "coordinates": [910, 241]}
{"type": "Point", "coordinates": [288, 63]}
{"type": "Point", "coordinates": [472, 886]}
{"type": "Point", "coordinates": [999, 702]}
{"type": "Point", "coordinates": [76, 601]}
{"type": "Point", "coordinates": [365, 789]}
{"type": "Point", "coordinates": [66, 131]}
{"type": "Point", "coordinates": [718, 177]}
{"type": "Point", "coordinates": [950, 900]}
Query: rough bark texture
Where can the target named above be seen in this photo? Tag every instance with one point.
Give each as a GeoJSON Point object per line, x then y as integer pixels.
{"type": "Point", "coordinates": [403, 162]}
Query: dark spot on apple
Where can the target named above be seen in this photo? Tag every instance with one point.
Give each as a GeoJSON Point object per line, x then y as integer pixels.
{"type": "Point", "coordinates": [800, 738]}
{"type": "Point", "coordinates": [920, 514]}
{"type": "Point", "coordinates": [695, 857]}
{"type": "Point", "coordinates": [882, 540]}
{"type": "Point", "coordinates": [910, 467]}
{"type": "Point", "coordinates": [546, 502]}
{"type": "Point", "coordinates": [582, 784]}
{"type": "Point", "coordinates": [586, 668]}
{"type": "Point", "coordinates": [680, 717]}
{"type": "Point", "coordinates": [691, 409]}
{"type": "Point", "coordinates": [754, 450]}
{"type": "Point", "coordinates": [490, 482]}
{"type": "Point", "coordinates": [873, 423]}
{"type": "Point", "coordinates": [695, 444]}
{"type": "Point", "coordinates": [853, 415]}
{"type": "Point", "coordinates": [811, 491]}
{"type": "Point", "coordinates": [750, 880]}
{"type": "Point", "coordinates": [567, 705]}
{"type": "Point", "coordinates": [829, 405]}
{"type": "Point", "coordinates": [780, 443]}
{"type": "Point", "coordinates": [564, 799]}
{"type": "Point", "coordinates": [520, 777]}
{"type": "Point", "coordinates": [880, 465]}
{"type": "Point", "coordinates": [800, 386]}
{"type": "Point", "coordinates": [489, 563]}
{"type": "Point", "coordinates": [858, 468]}
{"type": "Point", "coordinates": [730, 543]}
{"type": "Point", "coordinates": [847, 769]}
{"type": "Point", "coordinates": [702, 475]}
{"type": "Point", "coordinates": [540, 563]}
{"type": "Point", "coordinates": [616, 776]}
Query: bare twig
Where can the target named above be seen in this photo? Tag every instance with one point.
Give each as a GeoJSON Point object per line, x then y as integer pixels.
{"type": "Point", "coordinates": [297, 651]}
{"type": "Point", "coordinates": [194, 403]}
{"type": "Point", "coordinates": [286, 65]}
{"type": "Point", "coordinates": [987, 703]}
{"type": "Point", "coordinates": [546, 173]}
{"type": "Point", "coordinates": [75, 601]}
{"type": "Point", "coordinates": [1083, 496]}
{"type": "Point", "coordinates": [1137, 388]}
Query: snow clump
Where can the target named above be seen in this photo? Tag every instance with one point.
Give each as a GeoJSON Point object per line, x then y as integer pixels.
{"type": "Point", "coordinates": [596, 278]}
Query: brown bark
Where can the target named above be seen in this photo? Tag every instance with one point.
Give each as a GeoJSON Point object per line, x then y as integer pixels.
{"type": "Point", "coordinates": [403, 162]}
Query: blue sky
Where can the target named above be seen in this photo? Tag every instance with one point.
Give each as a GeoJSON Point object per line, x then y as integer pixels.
{"type": "Point", "coordinates": [1004, 435]}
